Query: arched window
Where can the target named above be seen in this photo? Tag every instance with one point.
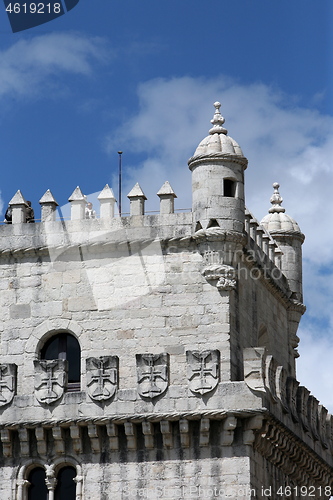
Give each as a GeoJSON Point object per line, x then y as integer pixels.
{"type": "Point", "coordinates": [37, 489]}
{"type": "Point", "coordinates": [65, 346]}
{"type": "Point", "coordinates": [66, 486]}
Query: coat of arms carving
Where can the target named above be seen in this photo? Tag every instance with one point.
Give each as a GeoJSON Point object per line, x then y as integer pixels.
{"type": "Point", "coordinates": [203, 370]}
{"type": "Point", "coordinates": [102, 377]}
{"type": "Point", "coordinates": [50, 379]}
{"type": "Point", "coordinates": [152, 372]}
{"type": "Point", "coordinates": [7, 383]}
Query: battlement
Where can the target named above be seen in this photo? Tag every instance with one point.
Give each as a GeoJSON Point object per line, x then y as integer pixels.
{"type": "Point", "coordinates": [106, 226]}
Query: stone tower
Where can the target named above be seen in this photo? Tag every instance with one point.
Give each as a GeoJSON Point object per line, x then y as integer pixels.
{"type": "Point", "coordinates": [153, 356]}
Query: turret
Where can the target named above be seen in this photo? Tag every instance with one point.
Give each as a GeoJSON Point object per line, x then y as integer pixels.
{"type": "Point", "coordinates": [287, 234]}
{"type": "Point", "coordinates": [217, 169]}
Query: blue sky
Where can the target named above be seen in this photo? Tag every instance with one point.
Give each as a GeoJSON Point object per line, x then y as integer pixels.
{"type": "Point", "coordinates": [141, 76]}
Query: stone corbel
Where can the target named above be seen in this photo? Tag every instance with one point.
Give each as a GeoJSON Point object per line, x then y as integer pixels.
{"type": "Point", "coordinates": [184, 433]}
{"type": "Point", "coordinates": [24, 441]}
{"type": "Point", "coordinates": [6, 442]}
{"type": "Point", "coordinates": [58, 440]}
{"type": "Point", "coordinates": [112, 432]}
{"type": "Point", "coordinates": [166, 431]}
{"type": "Point", "coordinates": [76, 439]}
{"type": "Point", "coordinates": [204, 432]}
{"type": "Point", "coordinates": [130, 432]}
{"type": "Point", "coordinates": [227, 434]}
{"type": "Point", "coordinates": [94, 440]}
{"type": "Point", "coordinates": [252, 424]}
{"type": "Point", "coordinates": [224, 275]}
{"type": "Point", "coordinates": [148, 432]}
{"type": "Point", "coordinates": [41, 442]}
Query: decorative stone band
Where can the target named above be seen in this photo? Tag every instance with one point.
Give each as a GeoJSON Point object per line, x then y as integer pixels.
{"type": "Point", "coordinates": [263, 375]}
{"type": "Point", "coordinates": [288, 234]}
{"type": "Point", "coordinates": [215, 234]}
{"type": "Point", "coordinates": [178, 430]}
{"type": "Point", "coordinates": [194, 161]}
{"type": "Point", "coordinates": [283, 449]}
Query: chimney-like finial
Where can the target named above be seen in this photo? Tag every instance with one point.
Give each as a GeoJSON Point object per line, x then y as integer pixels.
{"type": "Point", "coordinates": [217, 121]}
{"type": "Point", "coordinates": [276, 200]}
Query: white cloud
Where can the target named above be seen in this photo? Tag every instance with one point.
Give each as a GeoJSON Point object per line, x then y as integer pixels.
{"type": "Point", "coordinates": [314, 366]}
{"type": "Point", "coordinates": [30, 64]}
{"type": "Point", "coordinates": [283, 142]}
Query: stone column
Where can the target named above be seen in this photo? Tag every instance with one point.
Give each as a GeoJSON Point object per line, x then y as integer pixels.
{"type": "Point", "coordinates": [18, 205]}
{"type": "Point", "coordinates": [137, 200]}
{"type": "Point", "coordinates": [78, 204]}
{"type": "Point", "coordinates": [50, 481]}
{"type": "Point", "coordinates": [22, 484]}
{"type": "Point", "coordinates": [167, 197]}
{"type": "Point", "coordinates": [107, 200]}
{"type": "Point", "coordinates": [49, 207]}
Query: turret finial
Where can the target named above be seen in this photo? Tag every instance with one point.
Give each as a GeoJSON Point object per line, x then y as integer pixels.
{"type": "Point", "coordinates": [217, 121]}
{"type": "Point", "coordinates": [276, 200]}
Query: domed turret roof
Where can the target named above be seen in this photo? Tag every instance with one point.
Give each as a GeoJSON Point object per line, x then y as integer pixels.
{"type": "Point", "coordinates": [218, 141]}
{"type": "Point", "coordinates": [277, 220]}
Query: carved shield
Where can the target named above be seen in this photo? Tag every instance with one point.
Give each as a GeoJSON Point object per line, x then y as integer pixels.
{"type": "Point", "coordinates": [7, 383]}
{"type": "Point", "coordinates": [50, 379]}
{"type": "Point", "coordinates": [203, 370]}
{"type": "Point", "coordinates": [152, 372]}
{"type": "Point", "coordinates": [254, 368]}
{"type": "Point", "coordinates": [102, 377]}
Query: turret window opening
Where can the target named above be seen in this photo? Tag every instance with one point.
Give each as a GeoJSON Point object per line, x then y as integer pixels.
{"type": "Point", "coordinates": [65, 346]}
{"type": "Point", "coordinates": [229, 188]}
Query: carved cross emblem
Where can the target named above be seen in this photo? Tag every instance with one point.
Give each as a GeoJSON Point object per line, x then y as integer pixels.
{"type": "Point", "coordinates": [152, 372]}
{"type": "Point", "coordinates": [50, 379]}
{"type": "Point", "coordinates": [102, 377]}
{"type": "Point", "coordinates": [203, 370]}
{"type": "Point", "coordinates": [7, 383]}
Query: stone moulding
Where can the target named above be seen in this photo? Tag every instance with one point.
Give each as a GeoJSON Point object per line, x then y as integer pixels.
{"type": "Point", "coordinates": [196, 160]}
{"type": "Point", "coordinates": [102, 377]}
{"type": "Point", "coordinates": [258, 428]}
{"type": "Point", "coordinates": [50, 379]}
